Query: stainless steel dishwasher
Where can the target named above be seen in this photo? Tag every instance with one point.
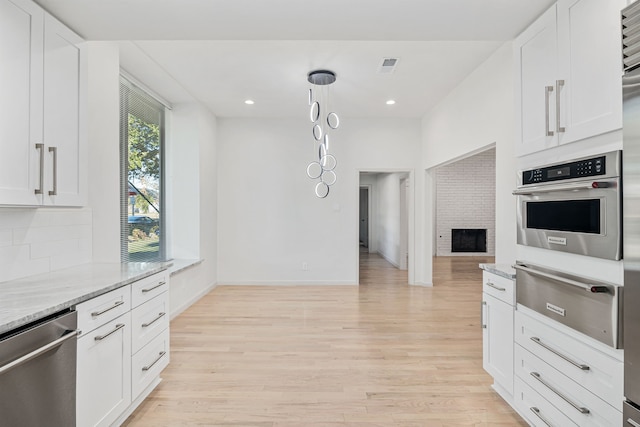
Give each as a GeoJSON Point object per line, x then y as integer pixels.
{"type": "Point", "coordinates": [38, 373]}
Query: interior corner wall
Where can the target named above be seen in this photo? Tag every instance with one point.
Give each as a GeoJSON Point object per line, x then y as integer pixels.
{"type": "Point", "coordinates": [103, 91]}
{"type": "Point", "coordinates": [192, 181]}
{"type": "Point", "coordinates": [477, 114]}
{"type": "Point", "coordinates": [272, 228]}
{"type": "Point", "coordinates": [466, 198]}
{"type": "Point", "coordinates": [388, 202]}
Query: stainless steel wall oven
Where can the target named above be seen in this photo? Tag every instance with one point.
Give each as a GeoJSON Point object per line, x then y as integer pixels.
{"type": "Point", "coordinates": [573, 206]}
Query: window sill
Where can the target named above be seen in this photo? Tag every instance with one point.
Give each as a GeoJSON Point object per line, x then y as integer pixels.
{"type": "Point", "coordinates": [178, 265]}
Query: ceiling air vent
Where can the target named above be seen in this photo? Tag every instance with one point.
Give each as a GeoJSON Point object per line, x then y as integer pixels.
{"type": "Point", "coordinates": [388, 65]}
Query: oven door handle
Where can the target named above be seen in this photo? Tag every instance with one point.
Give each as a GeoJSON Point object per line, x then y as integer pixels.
{"type": "Point", "coordinates": [584, 286]}
{"type": "Point", "coordinates": [591, 185]}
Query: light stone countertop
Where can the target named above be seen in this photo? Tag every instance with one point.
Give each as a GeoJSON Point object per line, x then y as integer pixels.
{"type": "Point", "coordinates": [504, 270]}
{"type": "Point", "coordinates": [25, 300]}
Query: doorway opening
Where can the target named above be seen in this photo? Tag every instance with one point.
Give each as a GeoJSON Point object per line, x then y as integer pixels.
{"type": "Point", "coordinates": [385, 220]}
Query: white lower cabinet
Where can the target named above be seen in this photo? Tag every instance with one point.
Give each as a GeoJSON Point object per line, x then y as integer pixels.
{"type": "Point", "coordinates": [103, 373]}
{"type": "Point", "coordinates": [563, 378]}
{"type": "Point", "coordinates": [497, 332]}
{"type": "Point", "coordinates": [120, 358]}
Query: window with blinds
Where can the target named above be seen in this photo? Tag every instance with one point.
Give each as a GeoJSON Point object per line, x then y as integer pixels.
{"type": "Point", "coordinates": [141, 175]}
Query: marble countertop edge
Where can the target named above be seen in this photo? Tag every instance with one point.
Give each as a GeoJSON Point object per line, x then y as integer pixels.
{"type": "Point", "coordinates": [29, 299]}
{"type": "Point", "coordinates": [504, 270]}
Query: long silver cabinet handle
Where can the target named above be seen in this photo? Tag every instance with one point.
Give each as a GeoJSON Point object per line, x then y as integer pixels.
{"type": "Point", "coordinates": [116, 329]}
{"type": "Point", "coordinates": [585, 286]}
{"type": "Point", "coordinates": [632, 423]}
{"type": "Point", "coordinates": [589, 185]}
{"type": "Point", "coordinates": [559, 85]}
{"type": "Point", "coordinates": [41, 148]}
{"type": "Point", "coordinates": [491, 285]}
{"type": "Point", "coordinates": [115, 305]}
{"type": "Point", "coordinates": [144, 291]}
{"type": "Point", "coordinates": [547, 95]}
{"type": "Point", "coordinates": [146, 368]}
{"type": "Point", "coordinates": [562, 356]}
{"type": "Point", "coordinates": [577, 407]}
{"type": "Point", "coordinates": [539, 415]}
{"type": "Point", "coordinates": [54, 150]}
{"type": "Point", "coordinates": [482, 305]}
{"type": "Point", "coordinates": [160, 315]}
{"type": "Point", "coordinates": [37, 352]}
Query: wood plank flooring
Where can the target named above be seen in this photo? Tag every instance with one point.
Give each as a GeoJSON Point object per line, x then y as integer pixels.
{"type": "Point", "coordinates": [381, 354]}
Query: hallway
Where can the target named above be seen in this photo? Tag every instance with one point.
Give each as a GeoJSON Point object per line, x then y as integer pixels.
{"type": "Point", "coordinates": [381, 354]}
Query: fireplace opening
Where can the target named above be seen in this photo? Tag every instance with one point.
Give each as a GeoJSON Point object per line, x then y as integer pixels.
{"type": "Point", "coordinates": [469, 240]}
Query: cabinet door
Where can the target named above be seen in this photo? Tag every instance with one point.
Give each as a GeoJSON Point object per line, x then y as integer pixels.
{"type": "Point", "coordinates": [589, 49]}
{"type": "Point", "coordinates": [104, 373]}
{"type": "Point", "coordinates": [21, 101]}
{"type": "Point", "coordinates": [536, 68]}
{"type": "Point", "coordinates": [497, 341]}
{"type": "Point", "coordinates": [63, 135]}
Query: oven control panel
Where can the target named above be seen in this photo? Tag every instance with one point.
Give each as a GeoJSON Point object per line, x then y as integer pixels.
{"type": "Point", "coordinates": [594, 166]}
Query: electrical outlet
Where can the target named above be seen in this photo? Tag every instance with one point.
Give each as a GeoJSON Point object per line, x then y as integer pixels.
{"type": "Point", "coordinates": [305, 266]}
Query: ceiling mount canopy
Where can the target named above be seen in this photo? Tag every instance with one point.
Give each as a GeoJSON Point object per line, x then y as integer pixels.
{"type": "Point", "coordinates": [321, 77]}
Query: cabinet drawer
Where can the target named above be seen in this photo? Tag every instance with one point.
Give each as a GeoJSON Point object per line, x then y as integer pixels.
{"type": "Point", "coordinates": [575, 358]}
{"type": "Point", "coordinates": [103, 309]}
{"type": "Point", "coordinates": [564, 393]}
{"type": "Point", "coordinates": [498, 287]}
{"type": "Point", "coordinates": [149, 287]}
{"type": "Point", "coordinates": [537, 411]}
{"type": "Point", "coordinates": [104, 373]}
{"type": "Point", "coordinates": [148, 320]}
{"type": "Point", "coordinates": [147, 363]}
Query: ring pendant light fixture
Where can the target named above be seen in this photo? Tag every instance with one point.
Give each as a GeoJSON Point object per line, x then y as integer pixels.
{"type": "Point", "coordinates": [323, 121]}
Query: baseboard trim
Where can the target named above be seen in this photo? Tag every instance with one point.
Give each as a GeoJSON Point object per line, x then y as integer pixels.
{"type": "Point", "coordinates": [389, 260]}
{"type": "Point", "coordinates": [424, 284]}
{"type": "Point", "coordinates": [192, 301]}
{"type": "Point", "coordinates": [288, 283]}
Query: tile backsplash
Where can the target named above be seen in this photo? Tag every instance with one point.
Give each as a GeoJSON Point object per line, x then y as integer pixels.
{"type": "Point", "coordinates": [40, 240]}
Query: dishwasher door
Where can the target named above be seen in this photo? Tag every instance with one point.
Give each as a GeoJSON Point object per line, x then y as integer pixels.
{"type": "Point", "coordinates": [38, 374]}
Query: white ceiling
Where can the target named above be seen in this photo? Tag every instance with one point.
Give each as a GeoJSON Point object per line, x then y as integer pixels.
{"type": "Point", "coordinates": [222, 52]}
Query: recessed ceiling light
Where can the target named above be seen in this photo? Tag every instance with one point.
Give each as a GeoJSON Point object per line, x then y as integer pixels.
{"type": "Point", "coordinates": [249, 102]}
{"type": "Point", "coordinates": [391, 102]}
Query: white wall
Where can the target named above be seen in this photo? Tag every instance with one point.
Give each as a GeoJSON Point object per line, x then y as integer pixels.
{"type": "Point", "coordinates": [388, 221]}
{"type": "Point", "coordinates": [269, 220]}
{"type": "Point", "coordinates": [466, 198]}
{"type": "Point", "coordinates": [104, 148]}
{"type": "Point", "coordinates": [192, 208]}
{"type": "Point", "coordinates": [475, 115]}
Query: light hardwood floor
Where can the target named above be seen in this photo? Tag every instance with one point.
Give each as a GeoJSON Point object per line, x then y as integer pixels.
{"type": "Point", "coordinates": [381, 354]}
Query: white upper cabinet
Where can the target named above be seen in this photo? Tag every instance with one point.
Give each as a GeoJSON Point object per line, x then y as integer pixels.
{"type": "Point", "coordinates": [568, 74]}
{"type": "Point", "coordinates": [21, 86]}
{"type": "Point", "coordinates": [63, 116]}
{"type": "Point", "coordinates": [42, 135]}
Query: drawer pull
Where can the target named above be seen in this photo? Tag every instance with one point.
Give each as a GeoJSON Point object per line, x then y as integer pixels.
{"type": "Point", "coordinates": [557, 353]}
{"type": "Point", "coordinates": [578, 408]}
{"type": "Point", "coordinates": [482, 305]}
{"type": "Point", "coordinates": [160, 315]}
{"type": "Point", "coordinates": [543, 419]}
{"type": "Point", "coordinates": [144, 291]}
{"type": "Point", "coordinates": [116, 329]}
{"type": "Point", "coordinates": [491, 285]}
{"type": "Point", "coordinates": [632, 423]}
{"type": "Point", "coordinates": [115, 305]}
{"type": "Point", "coordinates": [146, 368]}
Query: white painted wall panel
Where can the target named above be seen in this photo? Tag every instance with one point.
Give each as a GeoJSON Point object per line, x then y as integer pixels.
{"type": "Point", "coordinates": [475, 115]}
{"type": "Point", "coordinates": [269, 220]}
